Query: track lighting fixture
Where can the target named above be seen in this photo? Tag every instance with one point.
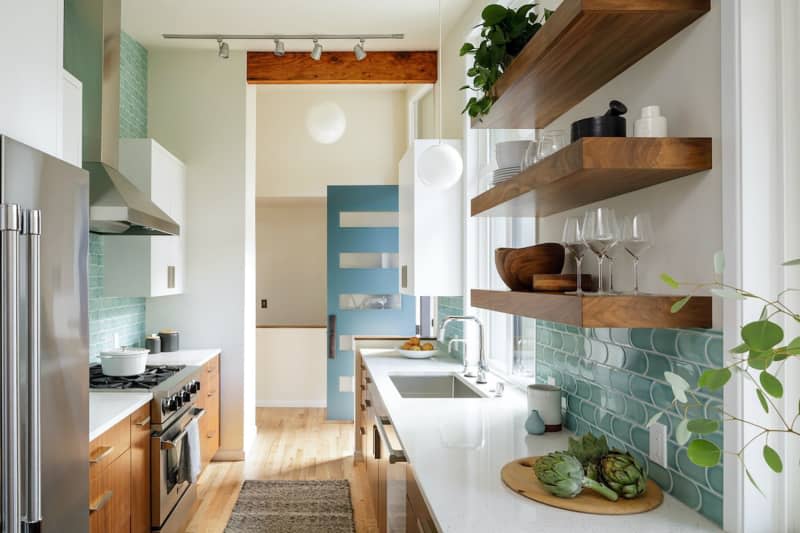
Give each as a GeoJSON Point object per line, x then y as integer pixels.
{"type": "Point", "coordinates": [358, 50]}
{"type": "Point", "coordinates": [316, 52]}
{"type": "Point", "coordinates": [280, 49]}
{"type": "Point", "coordinates": [224, 50]}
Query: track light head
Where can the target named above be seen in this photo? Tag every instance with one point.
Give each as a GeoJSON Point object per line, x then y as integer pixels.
{"type": "Point", "coordinates": [358, 50]}
{"type": "Point", "coordinates": [316, 52]}
{"type": "Point", "coordinates": [224, 50]}
{"type": "Point", "coordinates": [280, 49]}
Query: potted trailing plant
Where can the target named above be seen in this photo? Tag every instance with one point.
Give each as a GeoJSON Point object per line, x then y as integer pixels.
{"type": "Point", "coordinates": [759, 359]}
{"type": "Point", "coordinates": [504, 33]}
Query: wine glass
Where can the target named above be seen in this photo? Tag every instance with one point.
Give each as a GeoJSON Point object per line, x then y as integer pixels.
{"type": "Point", "coordinates": [600, 231]}
{"type": "Point", "coordinates": [551, 142]}
{"type": "Point", "coordinates": [611, 256]}
{"type": "Point", "coordinates": [572, 240]}
{"type": "Point", "coordinates": [530, 157]}
{"type": "Point", "coordinates": [637, 236]}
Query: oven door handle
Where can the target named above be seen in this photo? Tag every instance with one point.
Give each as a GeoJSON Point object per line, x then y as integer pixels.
{"type": "Point", "coordinates": [395, 455]}
{"type": "Point", "coordinates": [169, 444]}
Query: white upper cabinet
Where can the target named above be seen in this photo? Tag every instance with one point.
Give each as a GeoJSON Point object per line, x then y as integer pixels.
{"type": "Point", "coordinates": [431, 226]}
{"type": "Point", "coordinates": [72, 120]}
{"type": "Point", "coordinates": [149, 266]}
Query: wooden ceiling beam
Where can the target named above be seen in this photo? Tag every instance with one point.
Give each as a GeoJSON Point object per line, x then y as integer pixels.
{"type": "Point", "coordinates": [341, 68]}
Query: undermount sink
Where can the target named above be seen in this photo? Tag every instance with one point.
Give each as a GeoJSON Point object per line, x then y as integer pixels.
{"type": "Point", "coordinates": [434, 386]}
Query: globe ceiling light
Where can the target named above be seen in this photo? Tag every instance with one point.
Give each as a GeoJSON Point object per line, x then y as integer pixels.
{"type": "Point", "coordinates": [440, 166]}
{"type": "Point", "coordinates": [326, 122]}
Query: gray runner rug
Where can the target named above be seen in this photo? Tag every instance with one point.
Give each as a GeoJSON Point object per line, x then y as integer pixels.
{"type": "Point", "coordinates": [293, 507]}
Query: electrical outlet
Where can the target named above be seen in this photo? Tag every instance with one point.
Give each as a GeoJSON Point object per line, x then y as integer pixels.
{"type": "Point", "coordinates": [264, 304]}
{"type": "Point", "coordinates": [347, 384]}
{"type": "Point", "coordinates": [658, 444]}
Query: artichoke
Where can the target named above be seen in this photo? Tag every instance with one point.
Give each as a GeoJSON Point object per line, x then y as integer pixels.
{"type": "Point", "coordinates": [563, 476]}
{"type": "Point", "coordinates": [589, 450]}
{"type": "Point", "coordinates": [620, 471]}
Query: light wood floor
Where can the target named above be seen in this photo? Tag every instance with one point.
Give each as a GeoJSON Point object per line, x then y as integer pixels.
{"type": "Point", "coordinates": [291, 444]}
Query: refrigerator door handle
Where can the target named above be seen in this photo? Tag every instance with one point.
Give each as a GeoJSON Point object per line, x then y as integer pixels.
{"type": "Point", "coordinates": [33, 508]}
{"type": "Point", "coordinates": [9, 351]}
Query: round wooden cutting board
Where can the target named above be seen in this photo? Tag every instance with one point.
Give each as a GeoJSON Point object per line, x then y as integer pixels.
{"type": "Point", "coordinates": [518, 475]}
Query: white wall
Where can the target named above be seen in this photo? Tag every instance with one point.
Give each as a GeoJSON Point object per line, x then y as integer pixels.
{"type": "Point", "coordinates": [291, 164]}
{"type": "Point", "coordinates": [291, 262]}
{"type": "Point", "coordinates": [31, 55]}
{"type": "Point", "coordinates": [290, 367]}
{"type": "Point", "coordinates": [198, 111]}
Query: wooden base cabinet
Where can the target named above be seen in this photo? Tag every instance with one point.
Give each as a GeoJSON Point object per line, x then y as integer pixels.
{"type": "Point", "coordinates": [140, 470]}
{"type": "Point", "coordinates": [209, 400]}
{"type": "Point", "coordinates": [418, 517]}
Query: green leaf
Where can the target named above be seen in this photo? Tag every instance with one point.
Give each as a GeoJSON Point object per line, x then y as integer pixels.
{"type": "Point", "coordinates": [493, 14]}
{"type": "Point", "coordinates": [742, 348]}
{"type": "Point", "coordinates": [678, 384]}
{"type": "Point", "coordinates": [762, 335]}
{"type": "Point", "coordinates": [771, 384]}
{"type": "Point", "coordinates": [654, 418]}
{"type": "Point", "coordinates": [772, 459]}
{"type": "Point", "coordinates": [760, 360]}
{"type": "Point", "coordinates": [714, 379]}
{"type": "Point", "coordinates": [793, 262]}
{"type": "Point", "coordinates": [466, 48]}
{"type": "Point", "coordinates": [763, 400]}
{"type": "Point", "coordinates": [753, 481]}
{"type": "Point", "coordinates": [704, 453]}
{"type": "Point", "coordinates": [682, 434]}
{"type": "Point", "coordinates": [725, 292]}
{"type": "Point", "coordinates": [666, 278]}
{"type": "Point", "coordinates": [703, 426]}
{"type": "Point", "coordinates": [719, 262]}
{"type": "Point", "coordinates": [677, 306]}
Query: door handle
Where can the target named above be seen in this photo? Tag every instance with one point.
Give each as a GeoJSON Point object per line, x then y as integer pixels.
{"type": "Point", "coordinates": [143, 422]}
{"type": "Point", "coordinates": [33, 509]}
{"type": "Point", "coordinates": [107, 450]}
{"type": "Point", "coordinates": [395, 455]}
{"type": "Point", "coordinates": [331, 336]}
{"type": "Point", "coordinates": [9, 352]}
{"type": "Point", "coordinates": [101, 501]}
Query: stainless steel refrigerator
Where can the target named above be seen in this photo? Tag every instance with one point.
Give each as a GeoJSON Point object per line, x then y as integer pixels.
{"type": "Point", "coordinates": [44, 389]}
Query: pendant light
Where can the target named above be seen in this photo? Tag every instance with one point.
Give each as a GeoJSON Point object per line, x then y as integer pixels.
{"type": "Point", "coordinates": [440, 166]}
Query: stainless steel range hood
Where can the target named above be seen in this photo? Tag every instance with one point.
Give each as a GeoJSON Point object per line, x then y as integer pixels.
{"type": "Point", "coordinates": [117, 206]}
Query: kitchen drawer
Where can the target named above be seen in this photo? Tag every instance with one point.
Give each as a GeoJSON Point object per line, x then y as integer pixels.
{"type": "Point", "coordinates": [110, 496]}
{"type": "Point", "coordinates": [140, 470]}
{"type": "Point", "coordinates": [107, 447]}
{"type": "Point", "coordinates": [418, 517]}
{"type": "Point", "coordinates": [212, 366]}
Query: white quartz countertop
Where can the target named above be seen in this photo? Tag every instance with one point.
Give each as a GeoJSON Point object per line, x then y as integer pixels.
{"type": "Point", "coordinates": [183, 357]}
{"type": "Point", "coordinates": [108, 408]}
{"type": "Point", "coordinates": [458, 447]}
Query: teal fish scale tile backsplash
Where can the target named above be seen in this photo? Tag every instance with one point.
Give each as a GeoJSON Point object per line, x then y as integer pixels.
{"type": "Point", "coordinates": [613, 380]}
{"type": "Point", "coordinates": [132, 88]}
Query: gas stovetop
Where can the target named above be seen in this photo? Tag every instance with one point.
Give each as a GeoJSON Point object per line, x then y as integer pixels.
{"type": "Point", "coordinates": [153, 376]}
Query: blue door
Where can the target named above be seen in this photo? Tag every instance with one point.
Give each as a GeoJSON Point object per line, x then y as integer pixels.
{"type": "Point", "coordinates": [363, 282]}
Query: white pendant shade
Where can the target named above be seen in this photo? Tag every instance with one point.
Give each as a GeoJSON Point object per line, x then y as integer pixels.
{"type": "Point", "coordinates": [440, 166]}
{"type": "Point", "coordinates": [326, 122]}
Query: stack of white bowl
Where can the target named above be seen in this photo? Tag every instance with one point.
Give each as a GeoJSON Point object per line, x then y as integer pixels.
{"type": "Point", "coordinates": [509, 155]}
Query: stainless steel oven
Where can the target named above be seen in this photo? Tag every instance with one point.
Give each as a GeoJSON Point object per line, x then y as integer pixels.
{"type": "Point", "coordinates": [172, 496]}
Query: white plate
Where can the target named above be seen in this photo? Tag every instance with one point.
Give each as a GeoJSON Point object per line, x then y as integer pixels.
{"type": "Point", "coordinates": [414, 354]}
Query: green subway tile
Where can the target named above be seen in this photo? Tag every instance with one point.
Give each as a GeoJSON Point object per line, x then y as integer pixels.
{"type": "Point", "coordinates": [620, 336]}
{"type": "Point", "coordinates": [615, 443]}
{"type": "Point", "coordinates": [616, 356]}
{"type": "Point", "coordinates": [602, 375]}
{"type": "Point", "coordinates": [573, 364]}
{"type": "Point", "coordinates": [715, 478]}
{"type": "Point", "coordinates": [640, 457]}
{"type": "Point", "coordinates": [640, 388]}
{"type": "Point", "coordinates": [687, 371]}
{"type": "Point", "coordinates": [570, 422]}
{"type": "Point", "coordinates": [641, 338]}
{"type": "Point", "coordinates": [660, 475]}
{"type": "Point", "coordinates": [603, 420]}
{"type": "Point", "coordinates": [635, 411]}
{"type": "Point", "coordinates": [664, 341]}
{"type": "Point", "coordinates": [587, 369]}
{"type": "Point", "coordinates": [556, 341]}
{"type": "Point", "coordinates": [640, 439]}
{"type": "Point", "coordinates": [573, 403]}
{"type": "Point", "coordinates": [689, 469]}
{"type": "Point", "coordinates": [692, 346]}
{"type": "Point", "coordinates": [661, 395]}
{"type": "Point", "coordinates": [713, 410]}
{"type": "Point", "coordinates": [657, 365]}
{"type": "Point", "coordinates": [584, 390]}
{"type": "Point", "coordinates": [621, 429]}
{"type": "Point", "coordinates": [714, 352]}
{"type": "Point", "coordinates": [597, 394]}
{"type": "Point", "coordinates": [685, 491]}
{"type": "Point", "coordinates": [635, 360]}
{"type": "Point", "coordinates": [711, 506]}
{"type": "Point", "coordinates": [599, 352]}
{"type": "Point", "coordinates": [620, 381]}
{"type": "Point", "coordinates": [587, 411]}
{"type": "Point", "coordinates": [603, 334]}
{"type": "Point", "coordinates": [569, 343]}
{"type": "Point", "coordinates": [570, 385]}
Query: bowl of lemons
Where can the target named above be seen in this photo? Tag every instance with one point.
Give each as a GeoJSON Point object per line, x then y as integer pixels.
{"type": "Point", "coordinates": [416, 348]}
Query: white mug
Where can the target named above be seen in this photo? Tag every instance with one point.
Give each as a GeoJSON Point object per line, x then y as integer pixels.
{"type": "Point", "coordinates": [547, 400]}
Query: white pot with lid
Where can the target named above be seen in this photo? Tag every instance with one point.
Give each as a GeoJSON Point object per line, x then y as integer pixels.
{"type": "Point", "coordinates": [124, 361]}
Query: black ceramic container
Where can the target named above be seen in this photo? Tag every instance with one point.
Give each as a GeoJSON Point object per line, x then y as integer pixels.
{"type": "Point", "coordinates": [153, 343]}
{"type": "Point", "coordinates": [169, 341]}
{"type": "Point", "coordinates": [612, 124]}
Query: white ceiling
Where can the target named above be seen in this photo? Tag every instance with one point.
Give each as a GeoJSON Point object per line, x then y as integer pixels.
{"type": "Point", "coordinates": [146, 20]}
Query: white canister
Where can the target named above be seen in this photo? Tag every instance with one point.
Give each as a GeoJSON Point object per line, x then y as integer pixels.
{"type": "Point", "coordinates": [547, 400]}
{"type": "Point", "coordinates": [652, 124]}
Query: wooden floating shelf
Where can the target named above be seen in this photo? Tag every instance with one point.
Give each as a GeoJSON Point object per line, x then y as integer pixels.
{"type": "Point", "coordinates": [593, 169]}
{"type": "Point", "coordinates": [607, 311]}
{"type": "Point", "coordinates": [584, 45]}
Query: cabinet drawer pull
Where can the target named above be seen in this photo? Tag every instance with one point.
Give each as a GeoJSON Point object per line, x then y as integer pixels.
{"type": "Point", "coordinates": [101, 502]}
{"type": "Point", "coordinates": [143, 422]}
{"type": "Point", "coordinates": [212, 393]}
{"type": "Point", "coordinates": [362, 430]}
{"type": "Point", "coordinates": [211, 434]}
{"type": "Point", "coordinates": [368, 379]}
{"type": "Point", "coordinates": [368, 403]}
{"type": "Point", "coordinates": [107, 450]}
{"type": "Point", "coordinates": [363, 408]}
{"type": "Point", "coordinates": [363, 387]}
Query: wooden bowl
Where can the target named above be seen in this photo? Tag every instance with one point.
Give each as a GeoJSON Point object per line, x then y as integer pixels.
{"type": "Point", "coordinates": [562, 282]}
{"type": "Point", "coordinates": [522, 263]}
{"type": "Point", "coordinates": [499, 263]}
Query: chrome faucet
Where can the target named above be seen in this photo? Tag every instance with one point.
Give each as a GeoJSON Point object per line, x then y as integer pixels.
{"type": "Point", "coordinates": [482, 366]}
